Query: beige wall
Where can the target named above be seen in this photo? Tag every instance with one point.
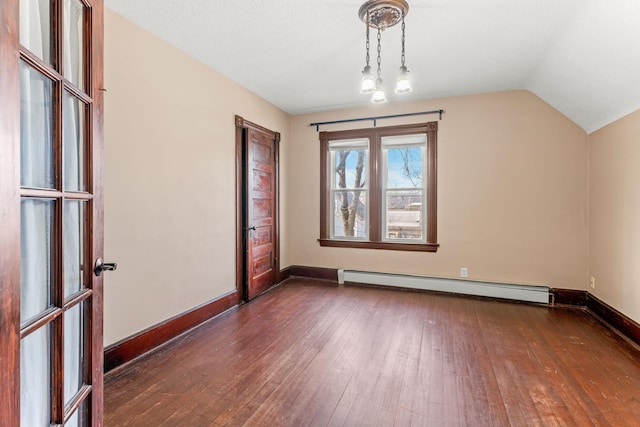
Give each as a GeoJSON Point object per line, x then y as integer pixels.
{"type": "Point", "coordinates": [614, 184]}
{"type": "Point", "coordinates": [512, 193]}
{"type": "Point", "coordinates": [170, 178]}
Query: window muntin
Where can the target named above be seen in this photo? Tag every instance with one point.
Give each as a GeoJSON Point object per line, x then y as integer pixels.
{"type": "Point", "coordinates": [398, 212]}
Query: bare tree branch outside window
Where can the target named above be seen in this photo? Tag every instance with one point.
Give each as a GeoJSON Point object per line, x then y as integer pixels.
{"type": "Point", "coordinates": [350, 200]}
{"type": "Point", "coordinates": [411, 166]}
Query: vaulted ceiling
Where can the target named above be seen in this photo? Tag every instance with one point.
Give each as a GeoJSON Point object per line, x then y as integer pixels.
{"type": "Point", "coordinates": [580, 56]}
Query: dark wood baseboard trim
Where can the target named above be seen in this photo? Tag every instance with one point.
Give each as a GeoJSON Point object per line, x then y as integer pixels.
{"type": "Point", "coordinates": [136, 345]}
{"type": "Point", "coordinates": [285, 273]}
{"type": "Point", "coordinates": [312, 272]}
{"type": "Point", "coordinates": [601, 310]}
{"type": "Point", "coordinates": [569, 296]}
{"type": "Point", "coordinates": [612, 317]}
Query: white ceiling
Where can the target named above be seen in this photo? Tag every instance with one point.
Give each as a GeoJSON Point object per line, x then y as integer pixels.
{"type": "Point", "coordinates": [581, 56]}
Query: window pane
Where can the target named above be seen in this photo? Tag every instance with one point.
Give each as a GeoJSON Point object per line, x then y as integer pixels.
{"type": "Point", "coordinates": [74, 215]}
{"type": "Point", "coordinates": [404, 167]}
{"type": "Point", "coordinates": [350, 214]}
{"type": "Point", "coordinates": [73, 137]}
{"type": "Point", "coordinates": [35, 378]}
{"type": "Point", "coordinates": [35, 27]}
{"type": "Point", "coordinates": [36, 130]}
{"type": "Point", "coordinates": [74, 42]}
{"type": "Point", "coordinates": [73, 352]}
{"type": "Point", "coordinates": [349, 168]}
{"type": "Point", "coordinates": [35, 257]}
{"type": "Point", "coordinates": [404, 215]}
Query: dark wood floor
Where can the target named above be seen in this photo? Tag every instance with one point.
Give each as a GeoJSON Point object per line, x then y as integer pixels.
{"type": "Point", "coordinates": [310, 353]}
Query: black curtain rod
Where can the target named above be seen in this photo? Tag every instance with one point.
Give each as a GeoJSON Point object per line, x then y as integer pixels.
{"type": "Point", "coordinates": [375, 119]}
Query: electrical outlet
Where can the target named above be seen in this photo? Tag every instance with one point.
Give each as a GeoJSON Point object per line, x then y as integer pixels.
{"type": "Point", "coordinates": [463, 271]}
{"type": "Point", "coordinates": [593, 282]}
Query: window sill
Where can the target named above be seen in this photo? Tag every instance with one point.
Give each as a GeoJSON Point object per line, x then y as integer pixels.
{"type": "Point", "coordinates": [412, 247]}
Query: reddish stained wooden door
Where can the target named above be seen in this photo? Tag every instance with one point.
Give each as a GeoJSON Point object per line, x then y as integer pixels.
{"type": "Point", "coordinates": [261, 217]}
{"type": "Point", "coordinates": [51, 213]}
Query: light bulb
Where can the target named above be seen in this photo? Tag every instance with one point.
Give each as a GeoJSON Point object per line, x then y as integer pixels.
{"type": "Point", "coordinates": [403, 85]}
{"type": "Point", "coordinates": [379, 96]}
{"type": "Point", "coordinates": [368, 84]}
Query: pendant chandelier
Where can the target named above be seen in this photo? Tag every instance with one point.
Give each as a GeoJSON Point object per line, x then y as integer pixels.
{"type": "Point", "coordinates": [382, 14]}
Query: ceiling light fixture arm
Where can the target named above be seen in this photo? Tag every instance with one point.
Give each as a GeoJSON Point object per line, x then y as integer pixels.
{"type": "Point", "coordinates": [379, 50]}
{"type": "Point", "coordinates": [378, 96]}
{"type": "Point", "coordinates": [367, 47]}
{"type": "Point", "coordinates": [402, 39]}
{"type": "Point", "coordinates": [367, 84]}
{"type": "Point", "coordinates": [403, 85]}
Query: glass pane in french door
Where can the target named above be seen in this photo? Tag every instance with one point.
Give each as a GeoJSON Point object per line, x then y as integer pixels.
{"type": "Point", "coordinates": [35, 27]}
{"type": "Point", "coordinates": [74, 351]}
{"type": "Point", "coordinates": [73, 246]}
{"type": "Point", "coordinates": [74, 65]}
{"type": "Point", "coordinates": [73, 140]}
{"type": "Point", "coordinates": [36, 129]}
{"type": "Point", "coordinates": [35, 378]}
{"type": "Point", "coordinates": [36, 239]}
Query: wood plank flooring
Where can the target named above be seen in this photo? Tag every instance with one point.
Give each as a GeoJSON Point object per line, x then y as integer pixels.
{"type": "Point", "coordinates": [310, 353]}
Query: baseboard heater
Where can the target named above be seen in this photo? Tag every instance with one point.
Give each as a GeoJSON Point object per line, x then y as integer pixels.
{"type": "Point", "coordinates": [529, 293]}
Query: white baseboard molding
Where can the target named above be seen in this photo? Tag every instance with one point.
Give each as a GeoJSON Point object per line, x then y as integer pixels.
{"type": "Point", "coordinates": [529, 293]}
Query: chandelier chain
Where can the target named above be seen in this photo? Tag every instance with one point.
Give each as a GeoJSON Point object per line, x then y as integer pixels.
{"type": "Point", "coordinates": [367, 45]}
{"type": "Point", "coordinates": [402, 57]}
{"type": "Point", "coordinates": [379, 48]}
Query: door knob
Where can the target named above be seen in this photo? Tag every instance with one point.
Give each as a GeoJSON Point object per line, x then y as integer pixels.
{"type": "Point", "coordinates": [252, 228]}
{"type": "Point", "coordinates": [103, 266]}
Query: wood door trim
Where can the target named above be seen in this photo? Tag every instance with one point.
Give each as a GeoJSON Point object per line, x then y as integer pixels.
{"type": "Point", "coordinates": [241, 125]}
{"type": "Point", "coordinates": [239, 208]}
{"type": "Point", "coordinates": [136, 345]}
{"type": "Point", "coordinates": [9, 216]}
{"type": "Point", "coordinates": [95, 151]}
